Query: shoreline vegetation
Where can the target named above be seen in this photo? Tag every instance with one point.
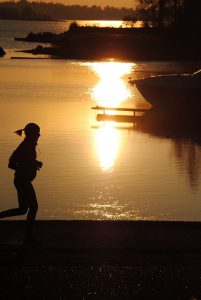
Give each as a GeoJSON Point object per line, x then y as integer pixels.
{"type": "Point", "coordinates": [96, 43]}
{"type": "Point", "coordinates": [49, 11]}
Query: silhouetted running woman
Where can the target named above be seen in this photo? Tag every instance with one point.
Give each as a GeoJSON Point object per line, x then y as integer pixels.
{"type": "Point", "coordinates": [23, 161]}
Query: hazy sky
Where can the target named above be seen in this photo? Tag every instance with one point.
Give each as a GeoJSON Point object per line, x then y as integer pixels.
{"type": "Point", "coordinates": [115, 3]}
{"type": "Point", "coordinates": [102, 3]}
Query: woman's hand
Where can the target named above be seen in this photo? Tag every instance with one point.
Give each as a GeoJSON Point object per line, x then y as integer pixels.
{"type": "Point", "coordinates": [39, 164]}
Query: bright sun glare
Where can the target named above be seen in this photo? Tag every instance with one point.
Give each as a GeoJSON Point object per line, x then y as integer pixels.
{"type": "Point", "coordinates": [111, 89]}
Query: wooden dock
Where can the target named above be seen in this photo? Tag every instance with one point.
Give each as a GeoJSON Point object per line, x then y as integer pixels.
{"type": "Point", "coordinates": [132, 117]}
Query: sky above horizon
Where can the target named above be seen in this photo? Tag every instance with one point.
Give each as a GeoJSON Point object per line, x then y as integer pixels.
{"type": "Point", "coordinates": [102, 3]}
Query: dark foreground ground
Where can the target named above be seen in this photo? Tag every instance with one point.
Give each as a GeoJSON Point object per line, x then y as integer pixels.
{"type": "Point", "coordinates": [101, 260]}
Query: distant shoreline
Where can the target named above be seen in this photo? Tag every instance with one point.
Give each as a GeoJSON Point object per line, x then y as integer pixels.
{"type": "Point", "coordinates": [86, 42]}
{"type": "Point", "coordinates": [60, 20]}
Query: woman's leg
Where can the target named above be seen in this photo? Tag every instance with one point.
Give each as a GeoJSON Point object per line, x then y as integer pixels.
{"type": "Point", "coordinates": [32, 207]}
{"type": "Point", "coordinates": [22, 202]}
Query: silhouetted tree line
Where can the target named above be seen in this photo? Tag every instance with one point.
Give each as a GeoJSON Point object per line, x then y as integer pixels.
{"type": "Point", "coordinates": [41, 10]}
{"type": "Point", "coordinates": [164, 13]}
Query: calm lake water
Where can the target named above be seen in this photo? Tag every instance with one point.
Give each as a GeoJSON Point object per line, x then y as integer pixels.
{"type": "Point", "coordinates": [92, 170]}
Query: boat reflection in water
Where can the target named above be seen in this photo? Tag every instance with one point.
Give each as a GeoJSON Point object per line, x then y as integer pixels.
{"type": "Point", "coordinates": [176, 115]}
{"type": "Point", "coordinates": [183, 127]}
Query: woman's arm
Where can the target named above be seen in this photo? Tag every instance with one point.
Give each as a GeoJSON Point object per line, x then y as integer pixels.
{"type": "Point", "coordinates": [13, 163]}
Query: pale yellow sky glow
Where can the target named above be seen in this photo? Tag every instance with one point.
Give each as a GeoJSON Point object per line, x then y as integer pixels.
{"type": "Point", "coordinates": [115, 3]}
{"type": "Point", "coordinates": [102, 3]}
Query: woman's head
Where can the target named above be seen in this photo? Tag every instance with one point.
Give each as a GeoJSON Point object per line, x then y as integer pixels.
{"type": "Point", "coordinates": [31, 130]}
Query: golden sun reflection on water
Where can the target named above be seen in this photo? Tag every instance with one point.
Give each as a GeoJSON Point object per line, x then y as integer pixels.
{"type": "Point", "coordinates": [111, 90]}
{"type": "Point", "coordinates": [107, 146]}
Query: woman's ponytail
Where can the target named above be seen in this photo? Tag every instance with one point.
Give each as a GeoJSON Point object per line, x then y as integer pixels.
{"type": "Point", "coordinates": [29, 130]}
{"type": "Point", "coordinates": [19, 132]}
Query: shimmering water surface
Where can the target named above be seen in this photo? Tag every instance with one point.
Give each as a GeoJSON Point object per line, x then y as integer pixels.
{"type": "Point", "coordinates": [92, 170]}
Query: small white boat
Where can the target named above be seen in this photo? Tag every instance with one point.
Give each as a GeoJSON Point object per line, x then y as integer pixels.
{"type": "Point", "coordinates": [176, 90]}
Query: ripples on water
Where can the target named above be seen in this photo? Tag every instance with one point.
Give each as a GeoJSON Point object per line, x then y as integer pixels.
{"type": "Point", "coordinates": [94, 170]}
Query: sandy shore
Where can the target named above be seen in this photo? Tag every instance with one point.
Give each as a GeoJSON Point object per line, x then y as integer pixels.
{"type": "Point", "coordinates": [101, 260]}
